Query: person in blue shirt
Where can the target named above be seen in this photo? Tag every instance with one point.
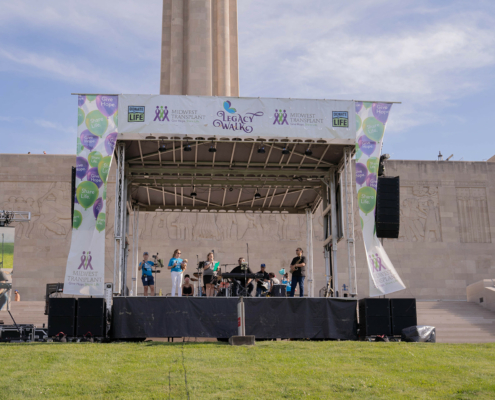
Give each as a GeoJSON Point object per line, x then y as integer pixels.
{"type": "Point", "coordinates": [176, 265]}
{"type": "Point", "coordinates": [147, 276]}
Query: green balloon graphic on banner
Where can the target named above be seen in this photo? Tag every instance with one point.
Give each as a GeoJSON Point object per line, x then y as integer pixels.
{"type": "Point", "coordinates": [80, 147]}
{"type": "Point", "coordinates": [100, 222]}
{"type": "Point", "coordinates": [86, 194]}
{"type": "Point", "coordinates": [366, 199]}
{"type": "Point", "coordinates": [362, 224]}
{"type": "Point", "coordinates": [358, 122]}
{"type": "Point", "coordinates": [97, 123]}
{"type": "Point", "coordinates": [103, 167]}
{"type": "Point", "coordinates": [90, 98]}
{"type": "Point", "coordinates": [372, 165]}
{"type": "Point", "coordinates": [80, 116]}
{"type": "Point", "coordinates": [77, 219]}
{"type": "Point", "coordinates": [116, 119]}
{"type": "Point", "coordinates": [367, 104]}
{"type": "Point", "coordinates": [373, 128]}
{"type": "Point", "coordinates": [94, 158]}
{"type": "Point", "coordinates": [359, 153]}
{"type": "Point", "coordinates": [104, 192]}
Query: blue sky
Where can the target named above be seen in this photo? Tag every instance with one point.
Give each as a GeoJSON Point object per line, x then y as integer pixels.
{"type": "Point", "coordinates": [436, 57]}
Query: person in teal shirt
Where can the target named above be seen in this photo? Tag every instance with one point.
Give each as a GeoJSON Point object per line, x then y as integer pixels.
{"type": "Point", "coordinates": [147, 276]}
{"type": "Point", "coordinates": [176, 266]}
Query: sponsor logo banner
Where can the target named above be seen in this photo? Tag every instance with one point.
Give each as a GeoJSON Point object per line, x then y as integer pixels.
{"type": "Point", "coordinates": [371, 119]}
{"type": "Point", "coordinates": [96, 138]}
{"type": "Point", "coordinates": [235, 117]}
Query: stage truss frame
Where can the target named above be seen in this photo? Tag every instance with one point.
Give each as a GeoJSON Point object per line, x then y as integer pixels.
{"type": "Point", "coordinates": [290, 177]}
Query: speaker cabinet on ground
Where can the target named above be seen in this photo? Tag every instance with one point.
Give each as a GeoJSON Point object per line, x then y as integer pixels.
{"type": "Point", "coordinates": [61, 316]}
{"type": "Point", "coordinates": [387, 216]}
{"type": "Point", "coordinates": [374, 317]}
{"type": "Point", "coordinates": [91, 319]}
{"type": "Point", "coordinates": [403, 313]}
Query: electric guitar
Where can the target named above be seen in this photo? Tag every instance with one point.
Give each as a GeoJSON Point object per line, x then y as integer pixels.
{"type": "Point", "coordinates": [293, 268]}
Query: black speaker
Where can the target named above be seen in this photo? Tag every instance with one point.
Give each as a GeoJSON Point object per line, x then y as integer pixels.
{"type": "Point", "coordinates": [387, 216]}
{"type": "Point", "coordinates": [279, 291]}
{"type": "Point", "coordinates": [61, 316]}
{"type": "Point", "coordinates": [403, 313]}
{"type": "Point", "coordinates": [91, 317]}
{"type": "Point", "coordinates": [374, 317]}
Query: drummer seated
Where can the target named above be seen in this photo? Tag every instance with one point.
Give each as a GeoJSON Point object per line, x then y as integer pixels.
{"type": "Point", "coordinates": [273, 281]}
{"type": "Point", "coordinates": [187, 288]}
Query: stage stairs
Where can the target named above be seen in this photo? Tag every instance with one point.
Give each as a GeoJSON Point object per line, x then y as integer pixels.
{"type": "Point", "coordinates": [455, 321]}
{"type": "Point", "coordinates": [26, 312]}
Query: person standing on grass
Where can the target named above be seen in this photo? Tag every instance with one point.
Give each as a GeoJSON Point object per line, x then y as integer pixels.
{"type": "Point", "coordinates": [147, 276]}
{"type": "Point", "coordinates": [298, 269]}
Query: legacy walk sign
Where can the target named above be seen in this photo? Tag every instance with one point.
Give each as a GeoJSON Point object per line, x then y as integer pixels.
{"type": "Point", "coordinates": [371, 119]}
{"type": "Point", "coordinates": [96, 137]}
{"type": "Point", "coordinates": [140, 115]}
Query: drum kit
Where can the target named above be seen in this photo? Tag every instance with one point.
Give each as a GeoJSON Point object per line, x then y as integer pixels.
{"type": "Point", "coordinates": [221, 286]}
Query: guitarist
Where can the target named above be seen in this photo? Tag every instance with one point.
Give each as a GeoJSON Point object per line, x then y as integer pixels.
{"type": "Point", "coordinates": [298, 270]}
{"type": "Point", "coordinates": [262, 284]}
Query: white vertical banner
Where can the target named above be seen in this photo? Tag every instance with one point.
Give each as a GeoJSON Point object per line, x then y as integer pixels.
{"type": "Point", "coordinates": [371, 119]}
{"type": "Point", "coordinates": [7, 239]}
{"type": "Point", "coordinates": [96, 138]}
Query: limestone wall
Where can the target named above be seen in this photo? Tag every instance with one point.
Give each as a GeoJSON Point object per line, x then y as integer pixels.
{"type": "Point", "coordinates": [445, 241]}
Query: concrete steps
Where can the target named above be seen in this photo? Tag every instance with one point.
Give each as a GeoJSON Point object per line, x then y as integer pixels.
{"type": "Point", "coordinates": [26, 312]}
{"type": "Point", "coordinates": [458, 321]}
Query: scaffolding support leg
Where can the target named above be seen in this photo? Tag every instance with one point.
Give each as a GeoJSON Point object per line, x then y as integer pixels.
{"type": "Point", "coordinates": [334, 233]}
{"type": "Point", "coordinates": [135, 249]}
{"type": "Point", "coordinates": [119, 234]}
{"type": "Point", "coordinates": [349, 221]}
{"type": "Point", "coordinates": [309, 246]}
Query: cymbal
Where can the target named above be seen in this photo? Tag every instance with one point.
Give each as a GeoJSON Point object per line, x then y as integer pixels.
{"type": "Point", "coordinates": [197, 274]}
{"type": "Point", "coordinates": [194, 279]}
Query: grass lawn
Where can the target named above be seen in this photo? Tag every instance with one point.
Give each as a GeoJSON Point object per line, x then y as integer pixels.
{"type": "Point", "coordinates": [8, 254]}
{"type": "Point", "coordinates": [269, 370]}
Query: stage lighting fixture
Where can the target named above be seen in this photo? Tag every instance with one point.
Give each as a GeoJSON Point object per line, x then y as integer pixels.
{"type": "Point", "coordinates": [308, 152]}
{"type": "Point", "coordinates": [193, 193]}
{"type": "Point", "coordinates": [285, 150]}
{"type": "Point", "coordinates": [261, 149]}
{"type": "Point", "coordinates": [231, 189]}
{"type": "Point", "coordinates": [257, 195]}
{"type": "Point", "coordinates": [163, 146]}
{"type": "Point", "coordinates": [212, 148]}
{"type": "Point", "coordinates": [187, 147]}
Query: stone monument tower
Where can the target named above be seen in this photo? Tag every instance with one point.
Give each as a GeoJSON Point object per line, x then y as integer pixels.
{"type": "Point", "coordinates": [199, 48]}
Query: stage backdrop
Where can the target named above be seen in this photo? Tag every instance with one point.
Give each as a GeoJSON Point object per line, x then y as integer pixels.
{"type": "Point", "coordinates": [96, 137]}
{"type": "Point", "coordinates": [371, 119]}
{"type": "Point", "coordinates": [257, 118]}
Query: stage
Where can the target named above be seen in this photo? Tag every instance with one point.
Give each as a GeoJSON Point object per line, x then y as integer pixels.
{"type": "Point", "coordinates": [266, 318]}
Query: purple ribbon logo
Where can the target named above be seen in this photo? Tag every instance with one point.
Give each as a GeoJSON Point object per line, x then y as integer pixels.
{"type": "Point", "coordinates": [377, 262]}
{"type": "Point", "coordinates": [86, 261]}
{"type": "Point", "coordinates": [161, 114]}
{"type": "Point", "coordinates": [280, 117]}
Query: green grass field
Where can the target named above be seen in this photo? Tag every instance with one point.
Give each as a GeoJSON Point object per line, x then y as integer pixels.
{"type": "Point", "coordinates": [8, 255]}
{"type": "Point", "coordinates": [269, 370]}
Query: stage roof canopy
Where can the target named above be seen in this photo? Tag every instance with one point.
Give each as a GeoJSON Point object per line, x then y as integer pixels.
{"type": "Point", "coordinates": [187, 153]}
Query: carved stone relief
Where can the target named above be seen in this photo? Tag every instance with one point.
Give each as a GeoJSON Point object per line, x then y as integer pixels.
{"type": "Point", "coordinates": [419, 214]}
{"type": "Point", "coordinates": [473, 215]}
